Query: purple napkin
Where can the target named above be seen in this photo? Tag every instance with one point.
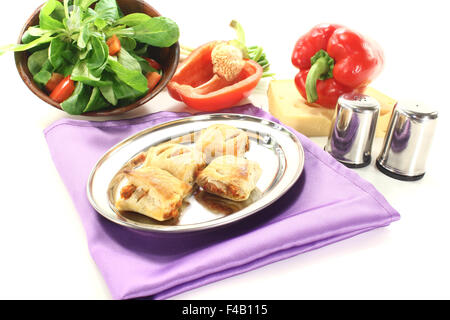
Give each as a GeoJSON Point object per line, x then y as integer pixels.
{"type": "Point", "coordinates": [329, 203]}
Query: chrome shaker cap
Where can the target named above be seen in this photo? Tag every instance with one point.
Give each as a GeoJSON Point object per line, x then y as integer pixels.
{"type": "Point", "coordinates": [408, 140]}
{"type": "Point", "coordinates": [353, 129]}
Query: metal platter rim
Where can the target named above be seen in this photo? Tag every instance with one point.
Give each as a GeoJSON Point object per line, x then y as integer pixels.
{"type": "Point", "coordinates": [165, 229]}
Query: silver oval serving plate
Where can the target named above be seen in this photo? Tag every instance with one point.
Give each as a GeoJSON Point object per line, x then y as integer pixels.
{"type": "Point", "coordinates": [277, 150]}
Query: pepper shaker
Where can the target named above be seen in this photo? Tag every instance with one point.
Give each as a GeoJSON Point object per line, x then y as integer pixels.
{"type": "Point", "coordinates": [408, 140]}
{"type": "Point", "coordinates": [351, 135]}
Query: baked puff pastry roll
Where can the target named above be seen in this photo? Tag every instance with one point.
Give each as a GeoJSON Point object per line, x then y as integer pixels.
{"type": "Point", "coordinates": [230, 177]}
{"type": "Point", "coordinates": [152, 192]}
{"type": "Point", "coordinates": [221, 139]}
{"type": "Point", "coordinates": [224, 206]}
{"type": "Point", "coordinates": [182, 161]}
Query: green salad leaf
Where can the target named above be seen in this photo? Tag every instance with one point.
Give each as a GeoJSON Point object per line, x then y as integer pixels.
{"type": "Point", "coordinates": [128, 43]}
{"type": "Point", "coordinates": [145, 66]}
{"type": "Point", "coordinates": [27, 37]}
{"type": "Point", "coordinates": [36, 61]}
{"type": "Point", "coordinates": [78, 101]}
{"type": "Point", "coordinates": [128, 61]}
{"type": "Point", "coordinates": [84, 4]}
{"type": "Point", "coordinates": [108, 91]}
{"type": "Point", "coordinates": [141, 49]}
{"type": "Point", "coordinates": [135, 79]}
{"type": "Point", "coordinates": [107, 10]}
{"type": "Point", "coordinates": [100, 24]}
{"type": "Point", "coordinates": [73, 23]}
{"type": "Point", "coordinates": [134, 19]}
{"type": "Point", "coordinates": [57, 46]}
{"type": "Point", "coordinates": [51, 15]}
{"type": "Point", "coordinates": [83, 37]}
{"type": "Point", "coordinates": [96, 101]}
{"type": "Point", "coordinates": [82, 73]}
{"type": "Point", "coordinates": [42, 77]}
{"type": "Point", "coordinates": [71, 54]}
{"type": "Point", "coordinates": [158, 32]}
{"type": "Point", "coordinates": [98, 56]}
{"type": "Point", "coordinates": [36, 32]}
{"type": "Point", "coordinates": [25, 46]}
{"type": "Point", "coordinates": [44, 74]}
{"type": "Point", "coordinates": [123, 91]}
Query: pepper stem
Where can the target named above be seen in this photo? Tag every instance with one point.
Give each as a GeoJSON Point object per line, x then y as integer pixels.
{"type": "Point", "coordinates": [321, 69]}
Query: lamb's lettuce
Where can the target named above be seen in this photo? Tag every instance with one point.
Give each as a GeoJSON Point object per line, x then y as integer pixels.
{"type": "Point", "coordinates": [107, 10]}
{"type": "Point", "coordinates": [108, 91]}
{"type": "Point", "coordinates": [57, 46]}
{"type": "Point", "coordinates": [133, 78]}
{"type": "Point", "coordinates": [84, 4]}
{"type": "Point", "coordinates": [128, 61]}
{"type": "Point", "coordinates": [158, 32]}
{"type": "Point", "coordinates": [98, 56]}
{"type": "Point", "coordinates": [78, 101]}
{"type": "Point", "coordinates": [134, 19]}
{"type": "Point", "coordinates": [36, 61]}
{"type": "Point", "coordinates": [96, 101]}
{"type": "Point", "coordinates": [123, 91]}
{"type": "Point", "coordinates": [51, 16]}
{"type": "Point", "coordinates": [25, 46]}
{"type": "Point", "coordinates": [44, 74]}
{"type": "Point", "coordinates": [82, 73]}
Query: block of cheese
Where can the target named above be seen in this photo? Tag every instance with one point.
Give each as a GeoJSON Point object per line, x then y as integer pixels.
{"type": "Point", "coordinates": [287, 105]}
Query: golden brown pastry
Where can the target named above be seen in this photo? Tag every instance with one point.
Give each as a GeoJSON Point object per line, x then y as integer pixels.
{"type": "Point", "coordinates": [152, 192]}
{"type": "Point", "coordinates": [230, 177]}
{"type": "Point", "coordinates": [182, 161]}
{"type": "Point", "coordinates": [221, 139]}
{"type": "Point", "coordinates": [224, 206]}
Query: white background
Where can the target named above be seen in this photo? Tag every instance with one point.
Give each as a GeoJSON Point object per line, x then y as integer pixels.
{"type": "Point", "coordinates": [43, 249]}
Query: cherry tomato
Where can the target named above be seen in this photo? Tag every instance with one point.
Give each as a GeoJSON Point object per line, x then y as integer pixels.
{"type": "Point", "coordinates": [113, 45]}
{"type": "Point", "coordinates": [63, 90]}
{"type": "Point", "coordinates": [53, 82]}
{"type": "Point", "coordinates": [153, 79]}
{"type": "Point", "coordinates": [153, 63]}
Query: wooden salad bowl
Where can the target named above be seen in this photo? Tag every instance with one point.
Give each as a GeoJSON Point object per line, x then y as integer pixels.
{"type": "Point", "coordinates": [167, 57]}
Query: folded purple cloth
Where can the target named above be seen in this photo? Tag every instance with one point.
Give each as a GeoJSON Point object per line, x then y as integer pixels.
{"type": "Point", "coordinates": [327, 204]}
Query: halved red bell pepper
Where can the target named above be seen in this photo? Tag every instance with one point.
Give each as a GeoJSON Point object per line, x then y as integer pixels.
{"type": "Point", "coordinates": [195, 83]}
{"type": "Point", "coordinates": [334, 60]}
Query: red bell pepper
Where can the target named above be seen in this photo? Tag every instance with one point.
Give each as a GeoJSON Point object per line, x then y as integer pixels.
{"type": "Point", "coordinates": [334, 60]}
{"type": "Point", "coordinates": [195, 83]}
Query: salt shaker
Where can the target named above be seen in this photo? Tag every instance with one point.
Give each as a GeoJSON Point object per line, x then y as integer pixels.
{"type": "Point", "coordinates": [408, 140]}
{"type": "Point", "coordinates": [351, 135]}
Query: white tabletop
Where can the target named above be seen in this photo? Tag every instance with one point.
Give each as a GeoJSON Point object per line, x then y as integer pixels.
{"type": "Point", "coordinates": [43, 247]}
